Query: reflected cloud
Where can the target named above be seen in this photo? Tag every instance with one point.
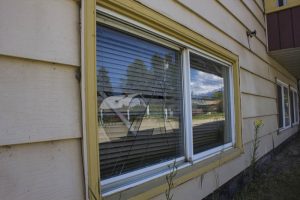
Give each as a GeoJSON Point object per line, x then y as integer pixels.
{"type": "Point", "coordinates": [203, 83]}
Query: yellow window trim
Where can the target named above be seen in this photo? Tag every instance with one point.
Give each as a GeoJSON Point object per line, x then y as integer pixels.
{"type": "Point", "coordinates": [144, 15]}
{"type": "Point", "coordinates": [203, 168]}
{"type": "Point", "coordinates": [89, 48]}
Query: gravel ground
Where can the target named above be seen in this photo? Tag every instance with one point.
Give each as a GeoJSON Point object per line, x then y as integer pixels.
{"type": "Point", "coordinates": [279, 179]}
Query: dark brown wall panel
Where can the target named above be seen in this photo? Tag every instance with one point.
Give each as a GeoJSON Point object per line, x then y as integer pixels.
{"type": "Point", "coordinates": [285, 29]}
{"type": "Point", "coordinates": [273, 32]}
{"type": "Point", "coordinates": [296, 25]}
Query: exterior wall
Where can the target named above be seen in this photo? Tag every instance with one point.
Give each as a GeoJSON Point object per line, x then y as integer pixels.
{"type": "Point", "coordinates": [40, 122]}
{"type": "Point", "coordinates": [284, 29]}
{"type": "Point", "coordinates": [272, 5]}
{"type": "Point", "coordinates": [226, 23]}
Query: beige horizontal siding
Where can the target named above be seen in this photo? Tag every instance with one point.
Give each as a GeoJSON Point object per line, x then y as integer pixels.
{"type": "Point", "coordinates": [40, 106]}
{"type": "Point", "coordinates": [47, 170]}
{"type": "Point", "coordinates": [256, 11]}
{"type": "Point", "coordinates": [225, 23]}
{"type": "Point", "coordinates": [202, 186]}
{"type": "Point", "coordinates": [270, 126]}
{"type": "Point", "coordinates": [260, 4]}
{"type": "Point", "coordinates": [275, 74]}
{"type": "Point", "coordinates": [265, 145]}
{"type": "Point", "coordinates": [40, 30]}
{"type": "Point", "coordinates": [220, 18]}
{"type": "Point", "coordinates": [240, 13]}
{"type": "Point", "coordinates": [39, 101]}
{"type": "Point", "coordinates": [253, 106]}
{"type": "Point", "coordinates": [256, 56]}
{"type": "Point", "coordinates": [252, 84]}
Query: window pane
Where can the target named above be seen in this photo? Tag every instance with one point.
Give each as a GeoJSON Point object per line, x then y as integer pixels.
{"type": "Point", "coordinates": [292, 106]}
{"type": "Point", "coordinates": [281, 3]}
{"type": "Point", "coordinates": [297, 107]}
{"type": "Point", "coordinates": [279, 100]}
{"type": "Point", "coordinates": [286, 106]}
{"type": "Point", "coordinates": [139, 101]}
{"type": "Point", "coordinates": [210, 103]}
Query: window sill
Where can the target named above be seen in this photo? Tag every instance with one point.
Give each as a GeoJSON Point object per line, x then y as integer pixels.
{"type": "Point", "coordinates": [280, 130]}
{"type": "Point", "coordinates": [156, 184]}
{"type": "Point", "coordinates": [120, 183]}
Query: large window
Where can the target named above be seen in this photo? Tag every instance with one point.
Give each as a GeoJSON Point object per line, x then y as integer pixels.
{"type": "Point", "coordinates": [158, 103]}
{"type": "Point", "coordinates": [283, 100]}
{"type": "Point", "coordinates": [139, 98]}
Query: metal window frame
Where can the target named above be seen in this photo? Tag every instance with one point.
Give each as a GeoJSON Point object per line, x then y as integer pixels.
{"type": "Point", "coordinates": [284, 3]}
{"type": "Point", "coordinates": [284, 85]}
{"type": "Point", "coordinates": [295, 105]}
{"type": "Point", "coordinates": [210, 152]}
{"type": "Point", "coordinates": [122, 182]}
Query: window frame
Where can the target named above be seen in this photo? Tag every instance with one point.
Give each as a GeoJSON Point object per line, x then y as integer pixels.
{"type": "Point", "coordinates": [284, 3]}
{"type": "Point", "coordinates": [282, 86]}
{"type": "Point", "coordinates": [159, 24]}
{"type": "Point", "coordinates": [295, 105]}
{"type": "Point", "coordinates": [207, 153]}
{"type": "Point", "coordinates": [114, 184]}
{"type": "Point", "coordinates": [122, 182]}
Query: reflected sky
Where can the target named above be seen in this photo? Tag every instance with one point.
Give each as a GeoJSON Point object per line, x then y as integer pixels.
{"type": "Point", "coordinates": [122, 56]}
{"type": "Point", "coordinates": [203, 83]}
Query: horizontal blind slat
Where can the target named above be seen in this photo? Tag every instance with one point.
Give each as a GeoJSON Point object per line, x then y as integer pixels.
{"type": "Point", "coordinates": [131, 70]}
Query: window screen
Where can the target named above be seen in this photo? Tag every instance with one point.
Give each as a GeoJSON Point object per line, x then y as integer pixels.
{"type": "Point", "coordinates": [210, 103]}
{"type": "Point", "coordinates": [139, 102]}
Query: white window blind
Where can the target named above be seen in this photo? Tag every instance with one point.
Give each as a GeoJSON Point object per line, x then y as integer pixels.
{"type": "Point", "coordinates": [139, 100]}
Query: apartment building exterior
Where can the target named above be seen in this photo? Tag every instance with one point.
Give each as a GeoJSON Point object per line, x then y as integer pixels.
{"type": "Point", "coordinates": [105, 99]}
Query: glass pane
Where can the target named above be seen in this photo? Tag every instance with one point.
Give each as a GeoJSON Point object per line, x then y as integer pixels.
{"type": "Point", "coordinates": [286, 106]}
{"type": "Point", "coordinates": [210, 103]}
{"type": "Point", "coordinates": [281, 3]}
{"type": "Point", "coordinates": [292, 106]}
{"type": "Point", "coordinates": [297, 107]}
{"type": "Point", "coordinates": [139, 100]}
{"type": "Point", "coordinates": [279, 101]}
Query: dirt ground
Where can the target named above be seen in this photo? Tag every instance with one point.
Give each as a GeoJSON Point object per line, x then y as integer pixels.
{"type": "Point", "coordinates": [278, 179]}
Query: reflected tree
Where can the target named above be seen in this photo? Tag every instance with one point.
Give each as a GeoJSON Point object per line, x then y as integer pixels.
{"type": "Point", "coordinates": [134, 81]}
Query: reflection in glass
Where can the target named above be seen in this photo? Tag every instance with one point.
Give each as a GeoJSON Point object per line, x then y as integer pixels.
{"type": "Point", "coordinates": [296, 107]}
{"type": "Point", "coordinates": [286, 106]}
{"type": "Point", "coordinates": [292, 106]}
{"type": "Point", "coordinates": [139, 102]}
{"type": "Point", "coordinates": [210, 103]}
{"type": "Point", "coordinates": [280, 114]}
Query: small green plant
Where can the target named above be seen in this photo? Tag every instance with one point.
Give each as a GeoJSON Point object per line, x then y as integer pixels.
{"type": "Point", "coordinates": [273, 146]}
{"type": "Point", "coordinates": [257, 125]}
{"type": "Point", "coordinates": [216, 194]}
{"type": "Point", "coordinates": [170, 180]}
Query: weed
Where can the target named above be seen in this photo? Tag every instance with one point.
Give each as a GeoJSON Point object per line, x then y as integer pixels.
{"type": "Point", "coordinates": [170, 180]}
{"type": "Point", "coordinates": [257, 125]}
